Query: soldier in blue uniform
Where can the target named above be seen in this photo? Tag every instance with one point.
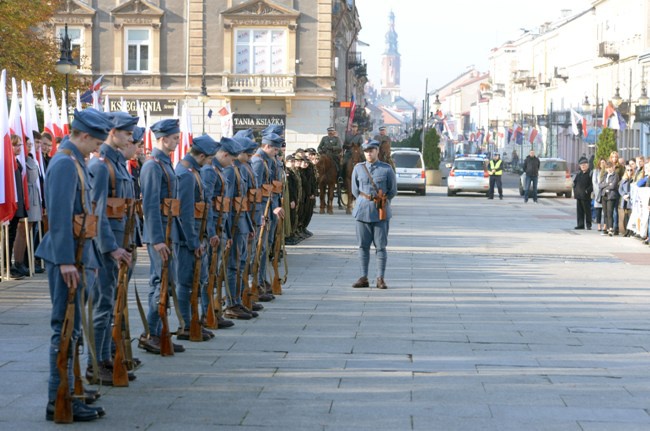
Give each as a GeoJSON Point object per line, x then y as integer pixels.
{"type": "Point", "coordinates": [158, 182]}
{"type": "Point", "coordinates": [371, 180]}
{"type": "Point", "coordinates": [67, 192]}
{"type": "Point", "coordinates": [218, 181]}
{"type": "Point", "coordinates": [110, 179]}
{"type": "Point", "coordinates": [265, 169]}
{"type": "Point", "coordinates": [191, 191]}
{"type": "Point", "coordinates": [242, 230]}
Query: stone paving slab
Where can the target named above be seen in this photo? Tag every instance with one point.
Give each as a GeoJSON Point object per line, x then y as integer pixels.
{"type": "Point", "coordinates": [498, 316]}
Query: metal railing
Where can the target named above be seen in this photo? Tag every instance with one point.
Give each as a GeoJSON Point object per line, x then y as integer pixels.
{"type": "Point", "coordinates": [259, 84]}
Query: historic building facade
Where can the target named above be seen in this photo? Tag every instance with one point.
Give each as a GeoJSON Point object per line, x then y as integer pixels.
{"type": "Point", "coordinates": [267, 60]}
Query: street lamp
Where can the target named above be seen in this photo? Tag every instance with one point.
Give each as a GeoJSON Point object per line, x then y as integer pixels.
{"type": "Point", "coordinates": [617, 99]}
{"type": "Point", "coordinates": [66, 64]}
{"type": "Point", "coordinates": [203, 99]}
{"type": "Point", "coordinates": [586, 106]}
{"type": "Point", "coordinates": [643, 99]}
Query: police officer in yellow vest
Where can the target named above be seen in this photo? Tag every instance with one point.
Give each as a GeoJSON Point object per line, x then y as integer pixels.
{"type": "Point", "coordinates": [495, 169]}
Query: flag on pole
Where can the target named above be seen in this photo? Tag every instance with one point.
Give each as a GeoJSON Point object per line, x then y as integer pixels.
{"type": "Point", "coordinates": [33, 121]}
{"type": "Point", "coordinates": [608, 112]}
{"type": "Point", "coordinates": [65, 126]}
{"type": "Point", "coordinates": [48, 127]}
{"type": "Point", "coordinates": [78, 104]}
{"type": "Point", "coordinates": [226, 121]}
{"type": "Point", "coordinates": [148, 135]}
{"type": "Point", "coordinates": [352, 111]}
{"type": "Point", "coordinates": [123, 106]}
{"type": "Point", "coordinates": [16, 128]}
{"type": "Point", "coordinates": [186, 134]}
{"type": "Point", "coordinates": [8, 198]}
{"type": "Point", "coordinates": [578, 119]}
{"type": "Point", "coordinates": [532, 134]}
{"type": "Point", "coordinates": [56, 116]}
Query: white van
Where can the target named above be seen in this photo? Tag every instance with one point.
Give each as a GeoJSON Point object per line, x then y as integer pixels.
{"type": "Point", "coordinates": [409, 170]}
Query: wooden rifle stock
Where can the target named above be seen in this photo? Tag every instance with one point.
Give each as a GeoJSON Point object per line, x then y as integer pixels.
{"type": "Point", "coordinates": [166, 347]}
{"type": "Point", "coordinates": [76, 369]}
{"type": "Point", "coordinates": [63, 402]}
{"type": "Point", "coordinates": [195, 324]}
{"type": "Point", "coordinates": [120, 371]}
{"type": "Point", "coordinates": [210, 320]}
{"type": "Point", "coordinates": [276, 285]}
{"type": "Point", "coordinates": [252, 294]}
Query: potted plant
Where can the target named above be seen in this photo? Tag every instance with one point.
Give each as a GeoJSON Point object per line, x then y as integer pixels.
{"type": "Point", "coordinates": [431, 156]}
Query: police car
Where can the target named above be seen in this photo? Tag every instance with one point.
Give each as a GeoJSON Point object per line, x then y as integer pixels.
{"type": "Point", "coordinates": [468, 174]}
{"type": "Point", "coordinates": [409, 170]}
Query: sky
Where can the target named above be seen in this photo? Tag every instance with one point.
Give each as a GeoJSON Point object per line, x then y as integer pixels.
{"type": "Point", "coordinates": [440, 40]}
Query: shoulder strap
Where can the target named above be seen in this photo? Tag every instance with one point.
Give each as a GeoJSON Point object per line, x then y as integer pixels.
{"type": "Point", "coordinates": [197, 177]}
{"type": "Point", "coordinates": [374, 186]}
{"type": "Point", "coordinates": [169, 181]}
{"type": "Point", "coordinates": [223, 181]}
{"type": "Point", "coordinates": [111, 174]}
{"type": "Point", "coordinates": [81, 176]}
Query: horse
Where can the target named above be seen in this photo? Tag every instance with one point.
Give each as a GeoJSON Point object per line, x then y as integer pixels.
{"type": "Point", "coordinates": [356, 156]}
{"type": "Point", "coordinates": [326, 177]}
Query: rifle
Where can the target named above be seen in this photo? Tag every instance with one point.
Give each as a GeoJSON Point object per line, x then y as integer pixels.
{"type": "Point", "coordinates": [195, 324]}
{"type": "Point", "coordinates": [210, 321]}
{"type": "Point", "coordinates": [63, 402]}
{"type": "Point", "coordinates": [276, 285]}
{"type": "Point", "coordinates": [166, 348]}
{"type": "Point", "coordinates": [120, 371]}
{"type": "Point", "coordinates": [251, 295]}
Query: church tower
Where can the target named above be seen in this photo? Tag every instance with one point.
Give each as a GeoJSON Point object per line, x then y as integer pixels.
{"type": "Point", "coordinates": [390, 62]}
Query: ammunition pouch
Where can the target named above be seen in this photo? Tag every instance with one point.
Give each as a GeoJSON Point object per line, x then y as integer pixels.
{"type": "Point", "coordinates": [277, 186]}
{"type": "Point", "coordinates": [171, 207]}
{"type": "Point", "coordinates": [267, 189]}
{"type": "Point", "coordinates": [255, 196]}
{"type": "Point", "coordinates": [116, 207]}
{"type": "Point", "coordinates": [240, 204]}
{"type": "Point", "coordinates": [87, 223]}
{"type": "Point", "coordinates": [222, 204]}
{"type": "Point", "coordinates": [199, 208]}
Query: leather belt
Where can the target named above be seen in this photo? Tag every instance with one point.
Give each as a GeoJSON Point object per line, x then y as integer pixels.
{"type": "Point", "coordinates": [362, 194]}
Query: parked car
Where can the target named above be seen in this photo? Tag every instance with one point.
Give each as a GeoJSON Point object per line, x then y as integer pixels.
{"type": "Point", "coordinates": [468, 174]}
{"type": "Point", "coordinates": [554, 177]}
{"type": "Point", "coordinates": [409, 170]}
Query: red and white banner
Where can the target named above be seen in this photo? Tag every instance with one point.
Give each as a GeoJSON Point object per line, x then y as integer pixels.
{"type": "Point", "coordinates": [8, 198]}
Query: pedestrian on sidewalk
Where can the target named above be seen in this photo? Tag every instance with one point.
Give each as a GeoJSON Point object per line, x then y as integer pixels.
{"type": "Point", "coordinates": [609, 197]}
{"type": "Point", "coordinates": [596, 177]}
{"type": "Point", "coordinates": [531, 168]}
{"type": "Point", "coordinates": [373, 185]}
{"type": "Point", "coordinates": [582, 188]}
{"type": "Point", "coordinates": [625, 204]}
{"type": "Point", "coordinates": [495, 169]}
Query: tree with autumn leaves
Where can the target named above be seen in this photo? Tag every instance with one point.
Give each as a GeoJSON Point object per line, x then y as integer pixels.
{"type": "Point", "coordinates": [28, 52]}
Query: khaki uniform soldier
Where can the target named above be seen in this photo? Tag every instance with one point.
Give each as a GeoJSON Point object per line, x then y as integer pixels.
{"type": "Point", "coordinates": [384, 147]}
{"type": "Point", "coordinates": [331, 145]}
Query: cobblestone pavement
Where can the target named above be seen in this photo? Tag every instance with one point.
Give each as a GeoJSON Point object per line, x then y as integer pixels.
{"type": "Point", "coordinates": [498, 316]}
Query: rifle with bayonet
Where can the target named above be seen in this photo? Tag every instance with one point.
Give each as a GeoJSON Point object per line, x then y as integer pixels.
{"type": "Point", "coordinates": [210, 320]}
{"type": "Point", "coordinates": [166, 347]}
{"type": "Point", "coordinates": [120, 369]}
{"type": "Point", "coordinates": [276, 285]}
{"type": "Point", "coordinates": [196, 333]}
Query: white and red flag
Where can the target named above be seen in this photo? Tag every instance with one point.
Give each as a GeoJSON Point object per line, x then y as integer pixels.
{"type": "Point", "coordinates": [578, 119]}
{"type": "Point", "coordinates": [186, 135]}
{"type": "Point", "coordinates": [8, 198]}
{"type": "Point", "coordinates": [16, 128]}
{"type": "Point", "coordinates": [65, 125]}
{"type": "Point", "coordinates": [56, 116]}
{"type": "Point", "coordinates": [47, 115]}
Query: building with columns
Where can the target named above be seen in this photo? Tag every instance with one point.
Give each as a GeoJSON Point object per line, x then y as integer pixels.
{"type": "Point", "coordinates": [270, 61]}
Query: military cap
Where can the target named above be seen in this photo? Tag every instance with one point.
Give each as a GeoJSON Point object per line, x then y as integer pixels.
{"type": "Point", "coordinates": [382, 128]}
{"type": "Point", "coordinates": [299, 150]}
{"type": "Point", "coordinates": [230, 146]}
{"type": "Point", "coordinates": [291, 157]}
{"type": "Point", "coordinates": [310, 150]}
{"type": "Point", "coordinates": [246, 143]}
{"type": "Point", "coordinates": [123, 121]}
{"type": "Point", "coordinates": [205, 144]}
{"type": "Point", "coordinates": [247, 133]}
{"type": "Point", "coordinates": [273, 140]}
{"type": "Point", "coordinates": [273, 128]}
{"type": "Point", "coordinates": [298, 156]}
{"type": "Point", "coordinates": [91, 121]}
{"type": "Point", "coordinates": [583, 160]}
{"type": "Point", "coordinates": [138, 134]}
{"type": "Point", "coordinates": [331, 129]}
{"type": "Point", "coordinates": [370, 145]}
{"type": "Point", "coordinates": [165, 128]}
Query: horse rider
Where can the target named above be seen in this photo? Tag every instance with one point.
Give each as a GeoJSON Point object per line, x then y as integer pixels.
{"type": "Point", "coordinates": [384, 146]}
{"type": "Point", "coordinates": [331, 145]}
{"type": "Point", "coordinates": [354, 137]}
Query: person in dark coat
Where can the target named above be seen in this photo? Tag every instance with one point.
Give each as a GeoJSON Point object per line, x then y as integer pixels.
{"type": "Point", "coordinates": [582, 188]}
{"type": "Point", "coordinates": [531, 168]}
{"type": "Point", "coordinates": [609, 197]}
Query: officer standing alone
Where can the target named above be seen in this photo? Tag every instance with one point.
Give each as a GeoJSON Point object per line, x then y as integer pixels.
{"type": "Point", "coordinates": [373, 185]}
{"type": "Point", "coordinates": [495, 169]}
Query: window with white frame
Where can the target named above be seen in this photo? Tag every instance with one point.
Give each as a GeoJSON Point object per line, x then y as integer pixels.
{"type": "Point", "coordinates": [260, 51]}
{"type": "Point", "coordinates": [138, 43]}
{"type": "Point", "coordinates": [76, 41]}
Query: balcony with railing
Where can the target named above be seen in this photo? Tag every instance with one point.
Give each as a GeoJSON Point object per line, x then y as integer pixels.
{"type": "Point", "coordinates": [259, 84]}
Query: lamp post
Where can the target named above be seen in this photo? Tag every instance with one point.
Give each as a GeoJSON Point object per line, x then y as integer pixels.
{"type": "Point", "coordinates": [203, 98]}
{"type": "Point", "coordinates": [66, 64]}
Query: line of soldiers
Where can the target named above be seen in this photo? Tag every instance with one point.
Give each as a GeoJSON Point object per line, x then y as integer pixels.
{"type": "Point", "coordinates": [210, 221]}
{"type": "Point", "coordinates": [303, 188]}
